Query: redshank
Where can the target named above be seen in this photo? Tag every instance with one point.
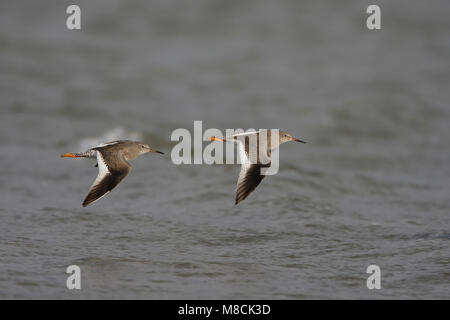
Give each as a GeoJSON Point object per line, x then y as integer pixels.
{"type": "Point", "coordinates": [253, 159]}
{"type": "Point", "coordinates": [112, 162]}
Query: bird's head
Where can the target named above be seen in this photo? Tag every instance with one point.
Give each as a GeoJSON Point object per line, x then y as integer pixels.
{"type": "Point", "coordinates": [286, 137]}
{"type": "Point", "coordinates": [145, 148]}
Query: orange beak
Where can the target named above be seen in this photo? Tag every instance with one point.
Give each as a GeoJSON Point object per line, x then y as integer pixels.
{"type": "Point", "coordinates": [156, 151]}
{"type": "Point", "coordinates": [297, 140]}
{"type": "Point", "coordinates": [216, 139]}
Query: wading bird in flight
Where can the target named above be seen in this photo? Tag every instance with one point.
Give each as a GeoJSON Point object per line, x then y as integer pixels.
{"type": "Point", "coordinates": [255, 153]}
{"type": "Point", "coordinates": [112, 162]}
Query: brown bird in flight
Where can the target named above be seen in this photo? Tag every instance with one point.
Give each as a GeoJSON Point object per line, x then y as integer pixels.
{"type": "Point", "coordinates": [112, 162]}
{"type": "Point", "coordinates": [255, 150]}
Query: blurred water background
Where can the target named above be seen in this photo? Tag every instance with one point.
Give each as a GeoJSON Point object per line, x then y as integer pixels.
{"type": "Point", "coordinates": [371, 186]}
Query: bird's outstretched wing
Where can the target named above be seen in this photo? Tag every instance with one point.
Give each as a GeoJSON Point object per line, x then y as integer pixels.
{"type": "Point", "coordinates": [112, 169]}
{"type": "Point", "coordinates": [250, 176]}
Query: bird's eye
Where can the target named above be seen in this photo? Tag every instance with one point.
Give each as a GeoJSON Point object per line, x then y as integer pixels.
{"type": "Point", "coordinates": [142, 147]}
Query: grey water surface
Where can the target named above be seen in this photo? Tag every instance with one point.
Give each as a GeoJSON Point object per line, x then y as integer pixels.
{"type": "Point", "coordinates": [371, 186]}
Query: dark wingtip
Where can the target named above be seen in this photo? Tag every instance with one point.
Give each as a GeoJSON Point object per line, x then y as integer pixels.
{"type": "Point", "coordinates": [87, 201]}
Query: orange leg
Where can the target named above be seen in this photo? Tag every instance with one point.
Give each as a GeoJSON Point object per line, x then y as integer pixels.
{"type": "Point", "coordinates": [70, 155]}
{"type": "Point", "coordinates": [217, 139]}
